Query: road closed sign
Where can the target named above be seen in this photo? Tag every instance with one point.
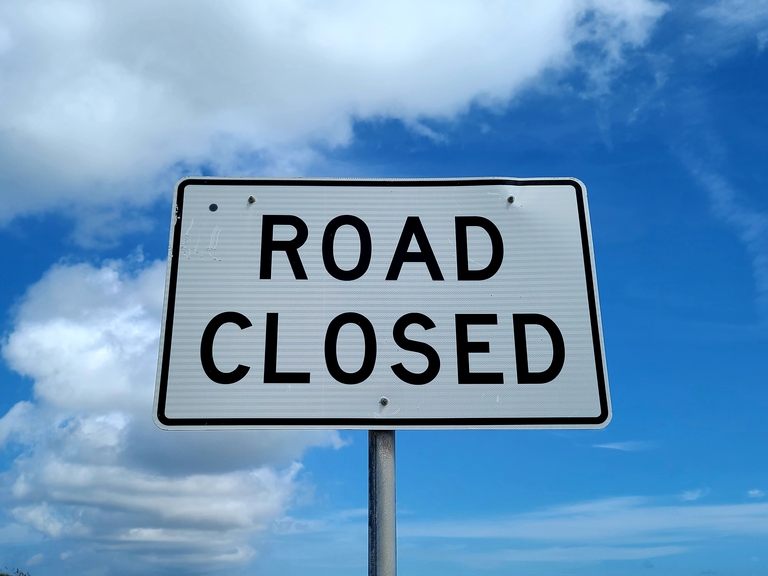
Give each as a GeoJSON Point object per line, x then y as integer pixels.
{"type": "Point", "coordinates": [381, 304]}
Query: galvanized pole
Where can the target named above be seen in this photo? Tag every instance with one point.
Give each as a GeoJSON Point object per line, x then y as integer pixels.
{"type": "Point", "coordinates": [382, 539]}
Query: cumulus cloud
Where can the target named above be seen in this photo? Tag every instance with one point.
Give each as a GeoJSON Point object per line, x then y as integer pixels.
{"type": "Point", "coordinates": [101, 102]}
{"type": "Point", "coordinates": [93, 467]}
{"type": "Point", "coordinates": [81, 327]}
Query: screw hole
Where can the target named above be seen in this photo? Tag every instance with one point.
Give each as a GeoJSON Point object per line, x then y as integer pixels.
{"type": "Point", "coordinates": [213, 207]}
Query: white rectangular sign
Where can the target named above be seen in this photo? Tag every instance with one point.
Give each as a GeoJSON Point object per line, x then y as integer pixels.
{"type": "Point", "coordinates": [381, 304]}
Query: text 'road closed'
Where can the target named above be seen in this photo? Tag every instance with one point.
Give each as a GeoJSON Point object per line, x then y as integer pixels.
{"type": "Point", "coordinates": [465, 348]}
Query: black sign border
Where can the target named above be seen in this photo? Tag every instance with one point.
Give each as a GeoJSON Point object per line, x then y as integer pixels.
{"type": "Point", "coordinates": [384, 423]}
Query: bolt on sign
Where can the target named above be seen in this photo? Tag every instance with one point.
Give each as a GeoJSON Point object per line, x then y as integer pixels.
{"type": "Point", "coordinates": [381, 304]}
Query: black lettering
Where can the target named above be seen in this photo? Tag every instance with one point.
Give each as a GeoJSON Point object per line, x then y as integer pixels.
{"type": "Point", "coordinates": [464, 348]}
{"type": "Point", "coordinates": [365, 248]}
{"type": "Point", "coordinates": [290, 247]}
{"type": "Point", "coordinates": [331, 340]}
{"type": "Point", "coordinates": [524, 375]}
{"type": "Point", "coordinates": [206, 348]}
{"type": "Point", "coordinates": [462, 252]}
{"type": "Point", "coordinates": [433, 359]}
{"type": "Point", "coordinates": [413, 229]}
{"type": "Point", "coordinates": [271, 375]}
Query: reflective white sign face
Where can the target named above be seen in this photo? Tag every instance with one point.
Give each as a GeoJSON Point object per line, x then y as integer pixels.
{"type": "Point", "coordinates": [381, 304]}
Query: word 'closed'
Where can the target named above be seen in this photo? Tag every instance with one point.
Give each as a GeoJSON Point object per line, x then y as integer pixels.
{"type": "Point", "coordinates": [464, 349]}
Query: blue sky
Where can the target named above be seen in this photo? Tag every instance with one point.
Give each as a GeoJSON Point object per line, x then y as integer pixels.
{"type": "Point", "coordinates": [658, 108]}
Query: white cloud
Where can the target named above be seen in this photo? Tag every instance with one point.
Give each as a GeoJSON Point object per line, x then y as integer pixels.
{"type": "Point", "coordinates": [693, 495]}
{"type": "Point", "coordinates": [12, 425]}
{"type": "Point", "coordinates": [94, 468]}
{"type": "Point", "coordinates": [81, 327]}
{"type": "Point", "coordinates": [40, 518]}
{"type": "Point", "coordinates": [571, 554]}
{"type": "Point", "coordinates": [615, 521]}
{"type": "Point", "coordinates": [737, 11]}
{"type": "Point", "coordinates": [234, 500]}
{"type": "Point", "coordinates": [100, 102]}
{"type": "Point", "coordinates": [632, 446]}
{"type": "Point", "coordinates": [739, 19]}
{"type": "Point", "coordinates": [762, 40]}
{"type": "Point", "coordinates": [750, 225]}
{"type": "Point", "coordinates": [755, 493]}
{"type": "Point", "coordinates": [611, 529]}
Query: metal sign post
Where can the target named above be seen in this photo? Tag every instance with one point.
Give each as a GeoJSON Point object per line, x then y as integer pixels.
{"type": "Point", "coordinates": [382, 537]}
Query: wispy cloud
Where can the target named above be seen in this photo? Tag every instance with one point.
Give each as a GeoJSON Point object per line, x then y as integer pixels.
{"type": "Point", "coordinates": [693, 495]}
{"type": "Point", "coordinates": [755, 493]}
{"type": "Point", "coordinates": [750, 225]}
{"type": "Point", "coordinates": [36, 559]}
{"type": "Point", "coordinates": [626, 446]}
{"type": "Point", "coordinates": [734, 21]}
{"type": "Point", "coordinates": [737, 11]}
{"type": "Point", "coordinates": [570, 554]}
{"type": "Point", "coordinates": [762, 40]}
{"type": "Point", "coordinates": [610, 529]}
{"type": "Point", "coordinates": [630, 520]}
